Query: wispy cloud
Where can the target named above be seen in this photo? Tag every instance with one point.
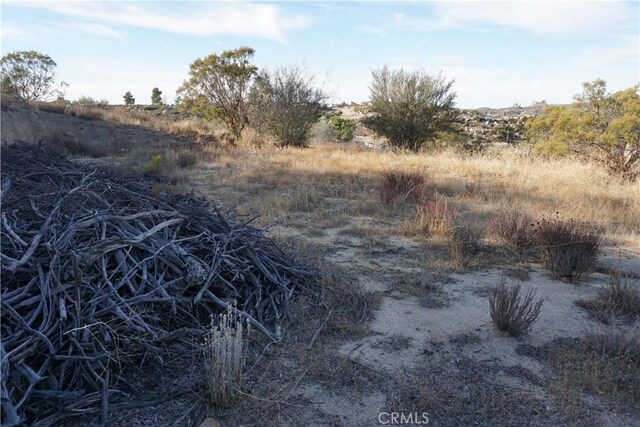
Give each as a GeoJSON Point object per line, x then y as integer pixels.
{"type": "Point", "coordinates": [542, 17]}
{"type": "Point", "coordinates": [14, 32]}
{"type": "Point", "coordinates": [368, 29]}
{"type": "Point", "coordinates": [197, 19]}
{"type": "Point", "coordinates": [559, 18]}
{"type": "Point", "coordinates": [95, 29]}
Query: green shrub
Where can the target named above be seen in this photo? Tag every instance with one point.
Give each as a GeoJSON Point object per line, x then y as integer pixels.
{"type": "Point", "coordinates": [344, 129]}
{"type": "Point", "coordinates": [154, 165]}
{"type": "Point", "coordinates": [410, 108]}
{"type": "Point", "coordinates": [604, 126]}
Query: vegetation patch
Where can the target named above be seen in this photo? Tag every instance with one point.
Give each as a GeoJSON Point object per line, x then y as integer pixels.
{"type": "Point", "coordinates": [512, 312]}
{"type": "Point", "coordinates": [568, 248]}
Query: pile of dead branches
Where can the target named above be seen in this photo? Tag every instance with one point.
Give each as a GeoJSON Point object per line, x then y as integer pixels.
{"type": "Point", "coordinates": [99, 273]}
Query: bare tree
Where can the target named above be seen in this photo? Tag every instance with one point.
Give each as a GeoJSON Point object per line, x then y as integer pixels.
{"type": "Point", "coordinates": [286, 104]}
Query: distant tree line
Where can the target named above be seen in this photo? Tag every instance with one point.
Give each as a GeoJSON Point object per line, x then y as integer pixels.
{"type": "Point", "coordinates": [410, 108]}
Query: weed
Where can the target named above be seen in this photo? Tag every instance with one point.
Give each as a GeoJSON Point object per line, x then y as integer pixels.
{"type": "Point", "coordinates": [465, 244]}
{"type": "Point", "coordinates": [568, 248]}
{"type": "Point", "coordinates": [512, 312]}
{"type": "Point", "coordinates": [154, 165]}
{"type": "Point", "coordinates": [620, 300]}
{"type": "Point", "coordinates": [224, 358]}
{"type": "Point", "coordinates": [436, 215]}
{"type": "Point", "coordinates": [187, 159]}
{"type": "Point", "coordinates": [513, 227]}
{"type": "Point", "coordinates": [407, 186]}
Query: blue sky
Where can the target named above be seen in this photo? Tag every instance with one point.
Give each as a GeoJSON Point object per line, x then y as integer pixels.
{"type": "Point", "coordinates": [499, 53]}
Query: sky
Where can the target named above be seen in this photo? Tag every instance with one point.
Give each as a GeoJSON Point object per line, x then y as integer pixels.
{"type": "Point", "coordinates": [498, 53]}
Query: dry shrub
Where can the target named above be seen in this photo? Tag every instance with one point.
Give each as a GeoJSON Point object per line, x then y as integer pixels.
{"type": "Point", "coordinates": [512, 312]}
{"type": "Point", "coordinates": [250, 137]}
{"type": "Point", "coordinates": [435, 215]}
{"type": "Point", "coordinates": [620, 300]}
{"type": "Point", "coordinates": [512, 227]}
{"type": "Point", "coordinates": [187, 158]}
{"type": "Point", "coordinates": [465, 244]}
{"type": "Point", "coordinates": [604, 363]}
{"type": "Point", "coordinates": [224, 358]}
{"type": "Point", "coordinates": [403, 185]}
{"type": "Point", "coordinates": [568, 248]}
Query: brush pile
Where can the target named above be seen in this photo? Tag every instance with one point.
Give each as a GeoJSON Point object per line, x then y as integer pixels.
{"type": "Point", "coordinates": [100, 274]}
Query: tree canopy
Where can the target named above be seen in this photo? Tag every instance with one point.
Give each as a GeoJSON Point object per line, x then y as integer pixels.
{"type": "Point", "coordinates": [224, 81]}
{"type": "Point", "coordinates": [28, 75]}
{"type": "Point", "coordinates": [598, 123]}
{"type": "Point", "coordinates": [410, 108]}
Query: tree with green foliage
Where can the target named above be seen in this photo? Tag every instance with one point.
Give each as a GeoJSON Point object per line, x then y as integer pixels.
{"type": "Point", "coordinates": [286, 104]}
{"type": "Point", "coordinates": [129, 99]}
{"type": "Point", "coordinates": [410, 108]}
{"type": "Point", "coordinates": [156, 96]}
{"type": "Point", "coordinates": [224, 82]}
{"type": "Point", "coordinates": [28, 75]}
{"type": "Point", "coordinates": [344, 128]}
{"type": "Point", "coordinates": [87, 100]}
{"type": "Point", "coordinates": [602, 125]}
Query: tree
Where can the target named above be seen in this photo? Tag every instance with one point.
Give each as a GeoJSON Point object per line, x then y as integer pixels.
{"type": "Point", "coordinates": [287, 104]}
{"type": "Point", "coordinates": [28, 75]}
{"type": "Point", "coordinates": [344, 128]}
{"type": "Point", "coordinates": [223, 81]}
{"type": "Point", "coordinates": [128, 98]}
{"type": "Point", "coordinates": [602, 125]}
{"type": "Point", "coordinates": [410, 108]}
{"type": "Point", "coordinates": [87, 100]}
{"type": "Point", "coordinates": [156, 96]}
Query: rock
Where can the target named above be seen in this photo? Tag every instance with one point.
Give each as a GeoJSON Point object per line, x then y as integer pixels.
{"type": "Point", "coordinates": [210, 422]}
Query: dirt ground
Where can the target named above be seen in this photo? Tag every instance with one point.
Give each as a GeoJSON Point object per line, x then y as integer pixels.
{"type": "Point", "coordinates": [397, 329]}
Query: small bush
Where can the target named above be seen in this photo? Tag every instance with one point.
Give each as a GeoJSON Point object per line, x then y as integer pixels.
{"type": "Point", "coordinates": [568, 248]}
{"type": "Point", "coordinates": [250, 137]}
{"type": "Point", "coordinates": [154, 165]}
{"type": "Point", "coordinates": [436, 215]}
{"type": "Point", "coordinates": [187, 159]}
{"type": "Point", "coordinates": [344, 129]}
{"type": "Point", "coordinates": [224, 358]}
{"type": "Point", "coordinates": [513, 227]}
{"type": "Point", "coordinates": [512, 312]}
{"type": "Point", "coordinates": [465, 244]}
{"type": "Point", "coordinates": [407, 186]}
{"type": "Point", "coordinates": [619, 300]}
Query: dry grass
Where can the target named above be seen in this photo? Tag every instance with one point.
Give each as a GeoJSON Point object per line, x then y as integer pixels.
{"type": "Point", "coordinates": [199, 130]}
{"type": "Point", "coordinates": [224, 358]}
{"type": "Point", "coordinates": [568, 248]}
{"type": "Point", "coordinates": [619, 301]}
{"type": "Point", "coordinates": [512, 227]}
{"type": "Point", "coordinates": [512, 312]}
{"type": "Point", "coordinates": [465, 245]}
{"type": "Point", "coordinates": [606, 363]}
{"type": "Point", "coordinates": [405, 186]}
{"type": "Point", "coordinates": [436, 215]}
{"type": "Point", "coordinates": [508, 176]}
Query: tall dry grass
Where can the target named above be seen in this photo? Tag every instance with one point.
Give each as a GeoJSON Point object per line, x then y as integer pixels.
{"type": "Point", "coordinates": [502, 177]}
